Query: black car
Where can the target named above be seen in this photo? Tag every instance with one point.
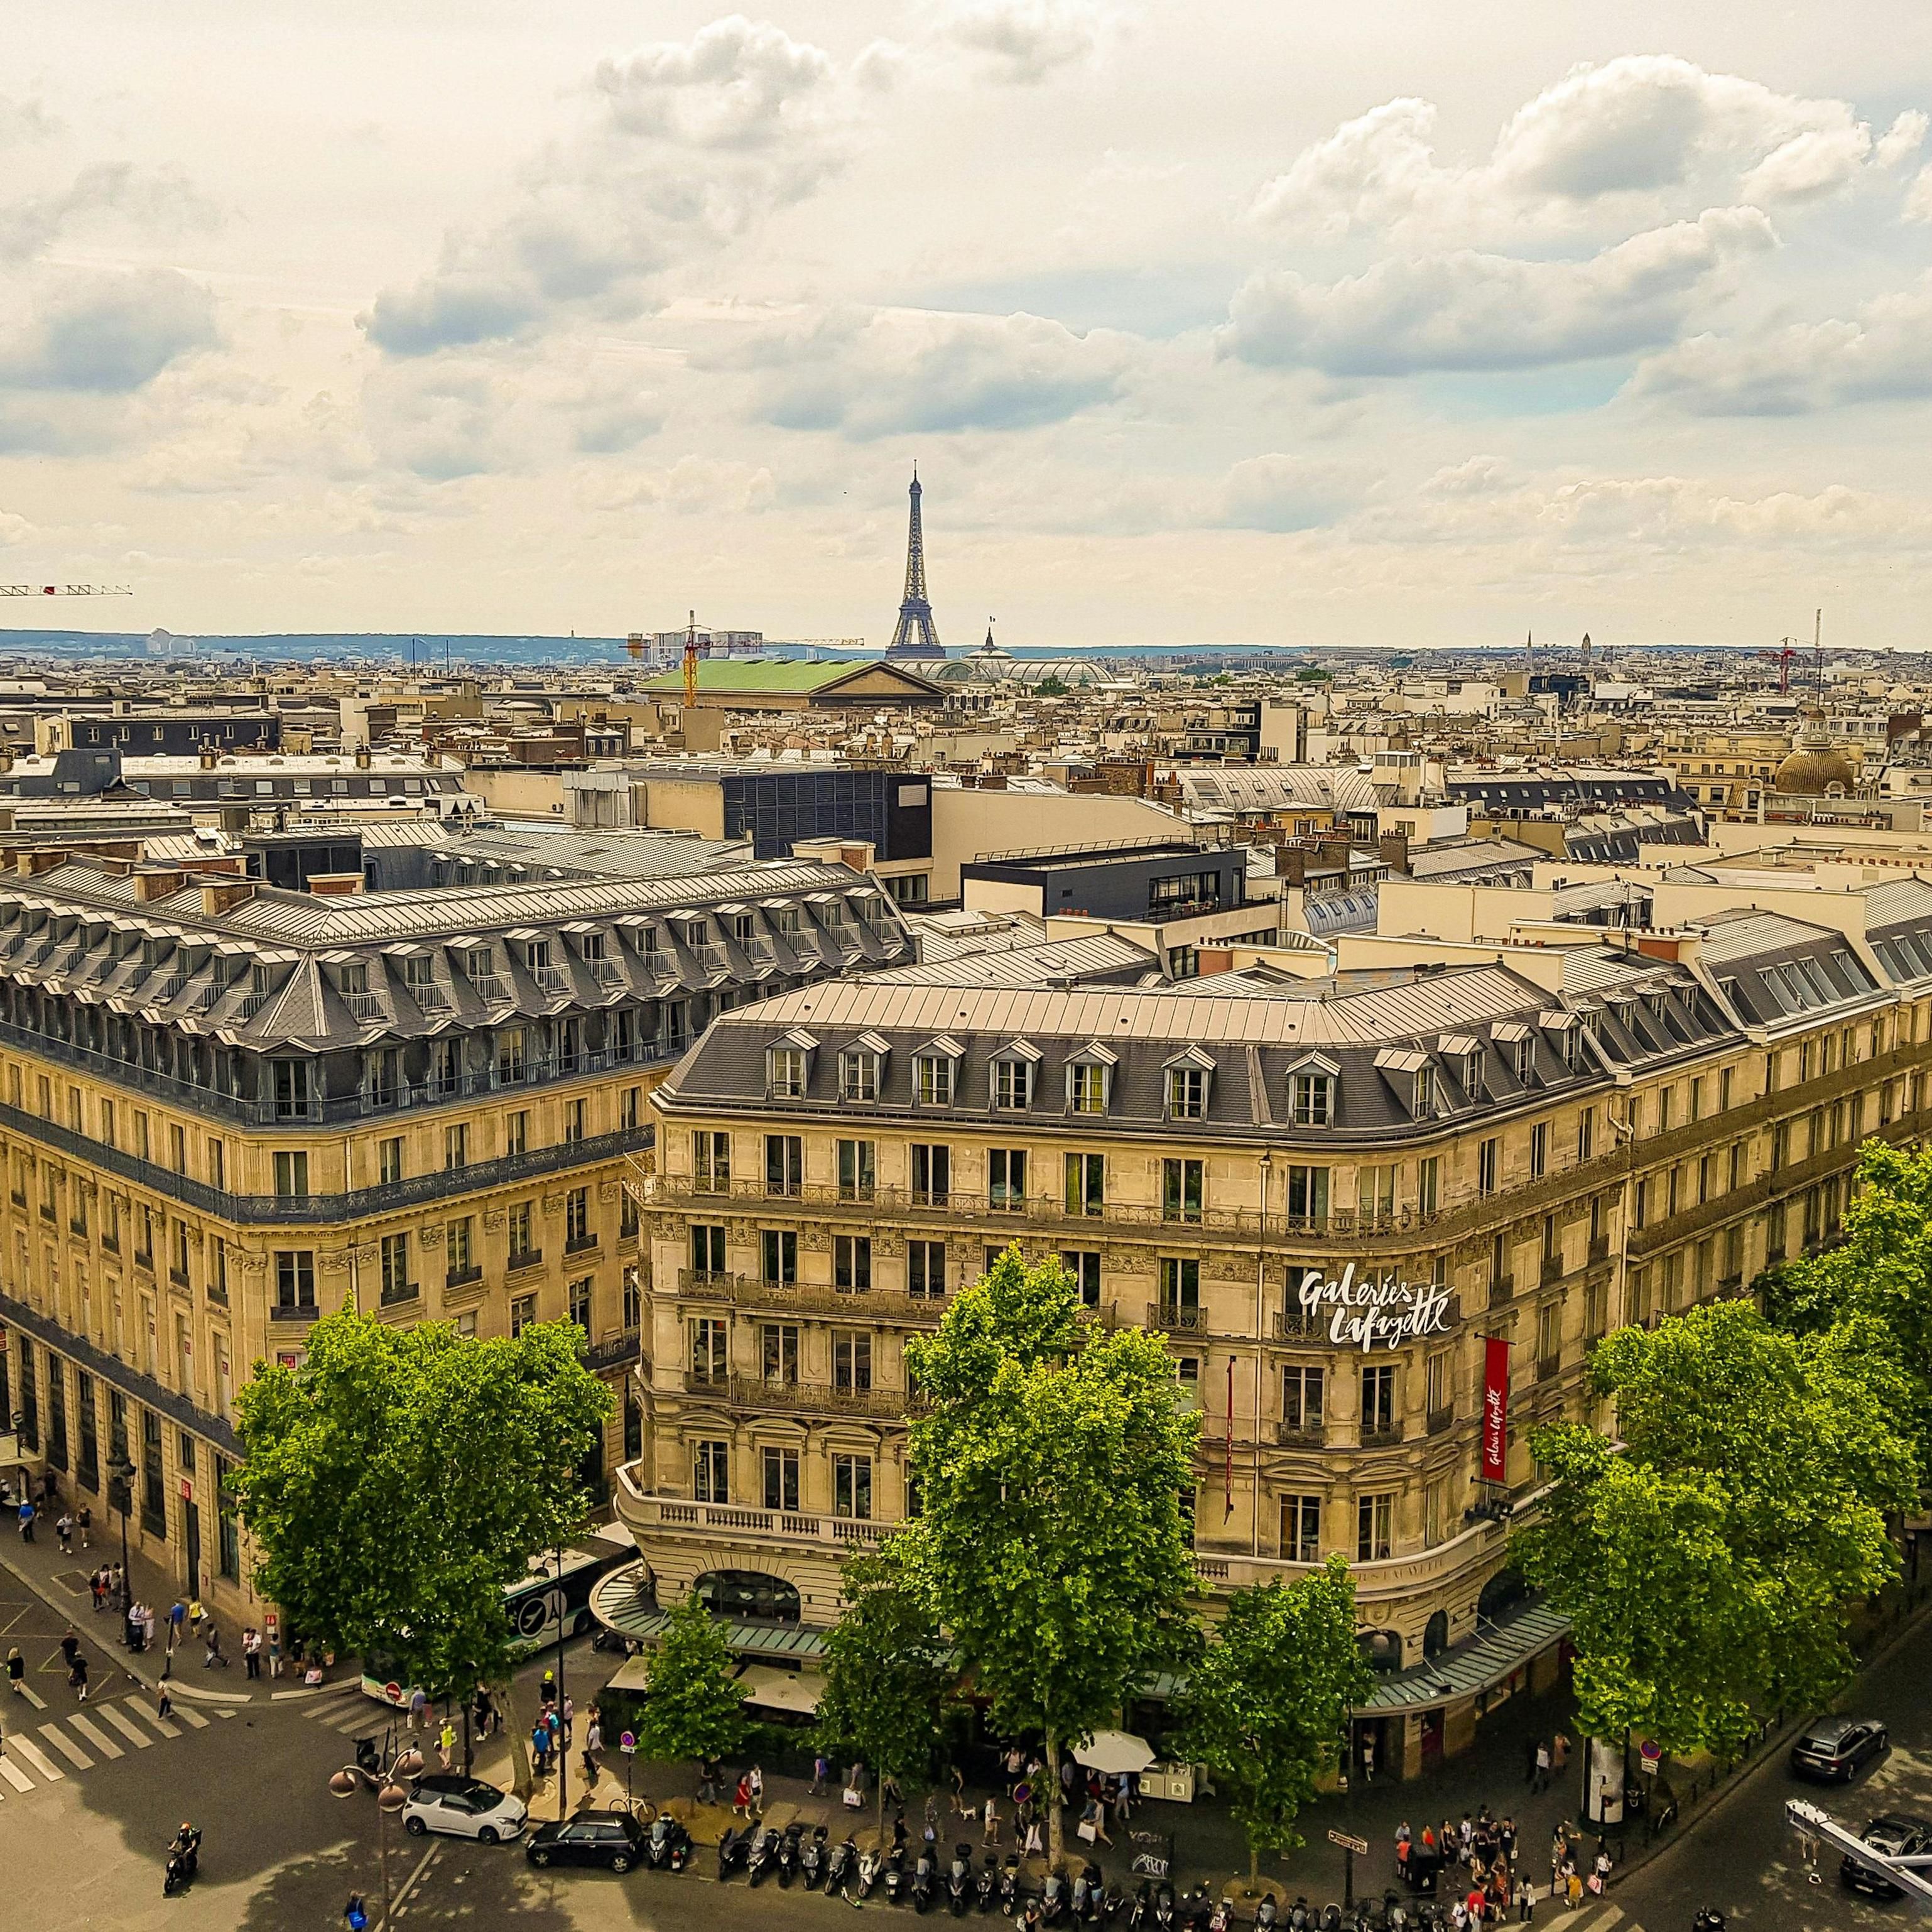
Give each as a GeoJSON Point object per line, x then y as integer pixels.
{"type": "Point", "coordinates": [1835, 1749]}
{"type": "Point", "coordinates": [613, 1839]}
{"type": "Point", "coordinates": [1896, 1836]}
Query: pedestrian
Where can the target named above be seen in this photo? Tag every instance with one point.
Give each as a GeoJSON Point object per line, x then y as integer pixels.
{"type": "Point", "coordinates": [479, 1714]}
{"type": "Point", "coordinates": [1573, 1885]}
{"type": "Point", "coordinates": [991, 1835]}
{"type": "Point", "coordinates": [164, 1702]}
{"type": "Point", "coordinates": [445, 1743]}
{"type": "Point", "coordinates": [1541, 1781]}
{"type": "Point", "coordinates": [1094, 1817]}
{"type": "Point", "coordinates": [1506, 1837]}
{"type": "Point", "coordinates": [960, 1809]}
{"type": "Point", "coordinates": [820, 1772]}
{"type": "Point", "coordinates": [197, 1614]}
{"type": "Point", "coordinates": [547, 1690]}
{"type": "Point", "coordinates": [356, 1914]}
{"type": "Point", "coordinates": [708, 1775]}
{"type": "Point", "coordinates": [540, 1747]}
{"type": "Point", "coordinates": [758, 1778]}
{"type": "Point", "coordinates": [69, 1647]}
{"type": "Point", "coordinates": [17, 1672]}
{"type": "Point", "coordinates": [593, 1743]}
{"type": "Point", "coordinates": [114, 1581]}
{"type": "Point", "coordinates": [1559, 1752]}
{"type": "Point", "coordinates": [177, 1616]}
{"type": "Point", "coordinates": [1476, 1905]}
{"type": "Point", "coordinates": [568, 1715]}
{"type": "Point", "coordinates": [251, 1652]}
{"type": "Point", "coordinates": [418, 1708]}
{"type": "Point", "coordinates": [84, 1522]}
{"type": "Point", "coordinates": [147, 1626]}
{"type": "Point", "coordinates": [1525, 1900]}
{"type": "Point", "coordinates": [63, 1530]}
{"type": "Point", "coordinates": [931, 1816]}
{"type": "Point", "coordinates": [76, 1677]}
{"type": "Point", "coordinates": [97, 1585]}
{"type": "Point", "coordinates": [1015, 1767]}
{"type": "Point", "coordinates": [27, 1514]}
{"type": "Point", "coordinates": [741, 1799]}
{"type": "Point", "coordinates": [1465, 1833]}
{"type": "Point", "coordinates": [212, 1637]}
{"type": "Point", "coordinates": [1529, 1769]}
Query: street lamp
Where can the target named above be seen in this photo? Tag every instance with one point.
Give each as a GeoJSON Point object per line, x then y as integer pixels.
{"type": "Point", "coordinates": [120, 1494]}
{"type": "Point", "coordinates": [391, 1797]}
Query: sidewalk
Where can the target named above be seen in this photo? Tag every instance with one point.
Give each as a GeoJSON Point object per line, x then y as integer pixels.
{"type": "Point", "coordinates": [60, 1580]}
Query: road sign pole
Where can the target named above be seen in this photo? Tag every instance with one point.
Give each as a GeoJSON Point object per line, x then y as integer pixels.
{"type": "Point", "coordinates": [1348, 1879]}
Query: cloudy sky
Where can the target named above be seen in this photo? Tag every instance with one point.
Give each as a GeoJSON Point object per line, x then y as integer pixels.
{"type": "Point", "coordinates": [1267, 321]}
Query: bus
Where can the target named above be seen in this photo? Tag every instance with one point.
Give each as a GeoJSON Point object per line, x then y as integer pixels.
{"type": "Point", "coordinates": [554, 1597]}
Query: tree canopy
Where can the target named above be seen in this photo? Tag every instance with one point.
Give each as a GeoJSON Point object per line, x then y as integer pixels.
{"type": "Point", "coordinates": [887, 1672]}
{"type": "Point", "coordinates": [1265, 1707]}
{"type": "Point", "coordinates": [399, 1479]}
{"type": "Point", "coordinates": [1881, 1270]}
{"type": "Point", "coordinates": [1706, 1567]}
{"type": "Point", "coordinates": [1052, 1544]}
{"type": "Point", "coordinates": [695, 1706]}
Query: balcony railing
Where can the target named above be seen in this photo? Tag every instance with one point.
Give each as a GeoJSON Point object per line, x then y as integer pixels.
{"type": "Point", "coordinates": [1439, 1419]}
{"type": "Point", "coordinates": [1300, 1435]}
{"type": "Point", "coordinates": [806, 1398]}
{"type": "Point", "coordinates": [642, 1509]}
{"type": "Point", "coordinates": [614, 1352]}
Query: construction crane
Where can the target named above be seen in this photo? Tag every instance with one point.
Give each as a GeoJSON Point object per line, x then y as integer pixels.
{"type": "Point", "coordinates": [1784, 656]}
{"type": "Point", "coordinates": [634, 645]}
{"type": "Point", "coordinates": [1790, 650]}
{"type": "Point", "coordinates": [66, 590]}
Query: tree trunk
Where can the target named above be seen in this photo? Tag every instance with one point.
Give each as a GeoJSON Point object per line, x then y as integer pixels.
{"type": "Point", "coordinates": [1254, 1867]}
{"type": "Point", "coordinates": [523, 1782]}
{"type": "Point", "coordinates": [882, 1813]}
{"type": "Point", "coordinates": [1055, 1825]}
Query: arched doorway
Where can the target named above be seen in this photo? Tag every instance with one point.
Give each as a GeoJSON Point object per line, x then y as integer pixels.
{"type": "Point", "coordinates": [1436, 1636]}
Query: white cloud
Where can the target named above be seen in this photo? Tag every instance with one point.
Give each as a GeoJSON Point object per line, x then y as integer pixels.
{"type": "Point", "coordinates": [1882, 352]}
{"type": "Point", "coordinates": [869, 373]}
{"type": "Point", "coordinates": [1280, 493]}
{"type": "Point", "coordinates": [692, 486]}
{"type": "Point", "coordinates": [1469, 310]}
{"type": "Point", "coordinates": [1649, 132]}
{"type": "Point", "coordinates": [1022, 42]}
{"type": "Point", "coordinates": [1918, 206]}
{"type": "Point", "coordinates": [104, 332]}
{"type": "Point", "coordinates": [691, 144]}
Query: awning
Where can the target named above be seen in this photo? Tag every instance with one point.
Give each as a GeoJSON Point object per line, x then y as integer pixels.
{"type": "Point", "coordinates": [625, 1601]}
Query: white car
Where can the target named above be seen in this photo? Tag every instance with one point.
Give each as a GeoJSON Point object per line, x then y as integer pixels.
{"type": "Point", "coordinates": [463, 1808]}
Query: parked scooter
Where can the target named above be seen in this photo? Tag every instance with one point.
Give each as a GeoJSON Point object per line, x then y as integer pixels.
{"type": "Point", "coordinates": [988, 1888]}
{"type": "Point", "coordinates": [1053, 1899]}
{"type": "Point", "coordinates": [870, 1865]}
{"type": "Point", "coordinates": [1163, 1910]}
{"type": "Point", "coordinates": [733, 1850]}
{"type": "Point", "coordinates": [1266, 1915]}
{"type": "Point", "coordinates": [764, 1856]}
{"type": "Point", "coordinates": [922, 1882]}
{"type": "Point", "coordinates": [1141, 1910]}
{"type": "Point", "coordinates": [1222, 1916]}
{"type": "Point", "coordinates": [895, 1874]}
{"type": "Point", "coordinates": [668, 1846]}
{"type": "Point", "coordinates": [1009, 1885]}
{"type": "Point", "coordinates": [959, 1880]}
{"type": "Point", "coordinates": [839, 1863]}
{"type": "Point", "coordinates": [787, 1853]}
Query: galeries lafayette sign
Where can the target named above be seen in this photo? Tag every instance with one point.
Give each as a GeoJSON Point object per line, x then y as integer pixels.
{"type": "Point", "coordinates": [1368, 1312]}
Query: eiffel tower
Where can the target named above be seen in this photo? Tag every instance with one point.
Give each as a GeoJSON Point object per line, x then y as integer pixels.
{"type": "Point", "coordinates": [916, 637]}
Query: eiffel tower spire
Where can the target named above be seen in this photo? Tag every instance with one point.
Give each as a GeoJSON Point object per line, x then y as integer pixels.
{"type": "Point", "coordinates": [916, 636]}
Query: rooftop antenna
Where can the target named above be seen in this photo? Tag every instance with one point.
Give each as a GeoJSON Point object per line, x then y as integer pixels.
{"type": "Point", "coordinates": [1818, 654]}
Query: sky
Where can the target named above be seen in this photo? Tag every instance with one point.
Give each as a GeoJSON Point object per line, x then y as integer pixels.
{"type": "Point", "coordinates": [1386, 324]}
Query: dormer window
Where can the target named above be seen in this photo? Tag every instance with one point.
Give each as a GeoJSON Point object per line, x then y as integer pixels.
{"type": "Point", "coordinates": [1412, 1074]}
{"type": "Point", "coordinates": [1311, 1093]}
{"type": "Point", "coordinates": [1186, 1094]}
{"type": "Point", "coordinates": [784, 1072]}
{"type": "Point", "coordinates": [860, 1067]}
{"type": "Point", "coordinates": [1090, 1079]}
{"type": "Point", "coordinates": [1423, 1103]}
{"type": "Point", "coordinates": [934, 1073]}
{"type": "Point", "coordinates": [1012, 1076]}
{"type": "Point", "coordinates": [1523, 1060]}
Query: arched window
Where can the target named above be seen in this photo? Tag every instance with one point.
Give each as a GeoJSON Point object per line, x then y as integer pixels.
{"type": "Point", "coordinates": [1436, 1636]}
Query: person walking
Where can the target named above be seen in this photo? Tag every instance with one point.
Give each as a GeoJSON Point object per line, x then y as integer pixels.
{"type": "Point", "coordinates": [991, 1833]}
{"type": "Point", "coordinates": [84, 1523]}
{"type": "Point", "coordinates": [540, 1747]}
{"type": "Point", "coordinates": [741, 1799]}
{"type": "Point", "coordinates": [418, 1708]}
{"type": "Point", "coordinates": [1541, 1782]}
{"type": "Point", "coordinates": [76, 1677]}
{"type": "Point", "coordinates": [164, 1704]}
{"type": "Point", "coordinates": [445, 1743]}
{"type": "Point", "coordinates": [211, 1638]}
{"type": "Point", "coordinates": [97, 1586]}
{"type": "Point", "coordinates": [1559, 1752]}
{"type": "Point", "coordinates": [251, 1652]}
{"type": "Point", "coordinates": [27, 1514]}
{"type": "Point", "coordinates": [708, 1778]}
{"type": "Point", "coordinates": [593, 1743]}
{"type": "Point", "coordinates": [1533, 1747]}
{"type": "Point", "coordinates": [63, 1531]}
{"type": "Point", "coordinates": [567, 1718]}
{"type": "Point", "coordinates": [820, 1772]}
{"type": "Point", "coordinates": [17, 1672]}
{"type": "Point", "coordinates": [757, 1779]}
{"type": "Point", "coordinates": [1525, 1900]}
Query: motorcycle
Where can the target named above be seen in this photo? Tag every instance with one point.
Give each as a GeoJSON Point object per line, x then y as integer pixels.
{"type": "Point", "coordinates": [733, 1849]}
{"type": "Point", "coordinates": [1266, 1915]}
{"type": "Point", "coordinates": [787, 1853]}
{"type": "Point", "coordinates": [870, 1865]}
{"type": "Point", "coordinates": [1141, 1910]}
{"type": "Point", "coordinates": [1009, 1885]}
{"type": "Point", "coordinates": [1300, 1918]}
{"type": "Point", "coordinates": [811, 1859]}
{"type": "Point", "coordinates": [1163, 1910]}
{"type": "Point", "coordinates": [839, 1865]}
{"type": "Point", "coordinates": [1220, 1917]}
{"type": "Point", "coordinates": [762, 1856]}
{"type": "Point", "coordinates": [1113, 1908]}
{"type": "Point", "coordinates": [1053, 1899]}
{"type": "Point", "coordinates": [959, 1880]}
{"type": "Point", "coordinates": [921, 1883]}
{"type": "Point", "coordinates": [668, 1846]}
{"type": "Point", "coordinates": [989, 1891]}
{"type": "Point", "coordinates": [895, 1874]}
{"type": "Point", "coordinates": [184, 1862]}
{"type": "Point", "coordinates": [1331, 1917]}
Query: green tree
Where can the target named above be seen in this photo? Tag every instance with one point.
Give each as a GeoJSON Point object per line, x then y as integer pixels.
{"type": "Point", "coordinates": [1052, 1542]}
{"type": "Point", "coordinates": [1882, 1269]}
{"type": "Point", "coordinates": [1051, 686]}
{"type": "Point", "coordinates": [401, 1478]}
{"type": "Point", "coordinates": [1265, 1706]}
{"type": "Point", "coordinates": [694, 1706]}
{"type": "Point", "coordinates": [1706, 1567]}
{"type": "Point", "coordinates": [887, 1673]}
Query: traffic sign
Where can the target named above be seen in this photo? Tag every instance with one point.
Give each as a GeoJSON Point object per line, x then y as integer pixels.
{"type": "Point", "coordinates": [393, 1691]}
{"type": "Point", "coordinates": [1648, 1756]}
{"type": "Point", "coordinates": [1359, 1845]}
{"type": "Point", "coordinates": [628, 1742]}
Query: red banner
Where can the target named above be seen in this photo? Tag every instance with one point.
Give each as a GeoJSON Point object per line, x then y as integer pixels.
{"type": "Point", "coordinates": [1495, 1410]}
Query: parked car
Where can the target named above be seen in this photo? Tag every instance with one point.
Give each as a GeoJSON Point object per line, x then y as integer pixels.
{"type": "Point", "coordinates": [612, 1839]}
{"type": "Point", "coordinates": [1896, 1837]}
{"type": "Point", "coordinates": [1835, 1749]}
{"type": "Point", "coordinates": [463, 1808]}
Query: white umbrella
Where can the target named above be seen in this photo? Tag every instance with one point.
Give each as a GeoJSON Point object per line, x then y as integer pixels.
{"type": "Point", "coordinates": [1116, 1753]}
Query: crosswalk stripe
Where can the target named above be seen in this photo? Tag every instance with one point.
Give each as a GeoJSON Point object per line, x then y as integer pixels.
{"type": "Point", "coordinates": [161, 1724]}
{"type": "Point", "coordinates": [128, 1729]}
{"type": "Point", "coordinates": [37, 1757]}
{"type": "Point", "coordinates": [189, 1716]}
{"type": "Point", "coordinates": [348, 1724]}
{"type": "Point", "coordinates": [13, 1775]}
{"type": "Point", "coordinates": [33, 1696]}
{"type": "Point", "coordinates": [67, 1748]}
{"type": "Point", "coordinates": [96, 1736]}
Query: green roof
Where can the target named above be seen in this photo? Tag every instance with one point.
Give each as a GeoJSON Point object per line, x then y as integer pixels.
{"type": "Point", "coordinates": [720, 674]}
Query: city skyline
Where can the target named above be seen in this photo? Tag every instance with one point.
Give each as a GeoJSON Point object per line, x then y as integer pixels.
{"type": "Point", "coordinates": [1261, 329]}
